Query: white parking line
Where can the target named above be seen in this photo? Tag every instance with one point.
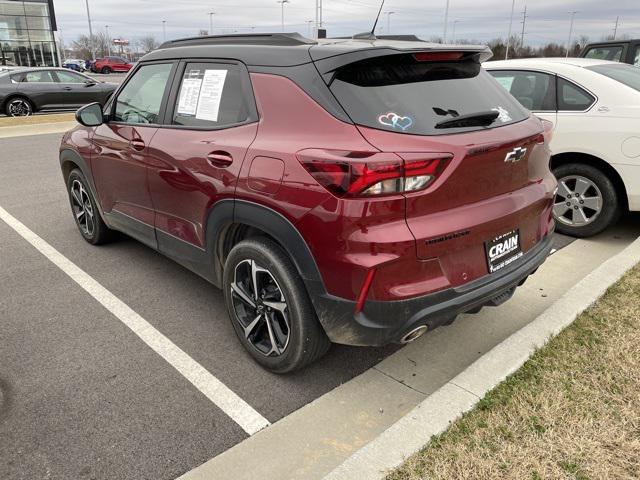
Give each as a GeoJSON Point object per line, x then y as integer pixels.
{"type": "Point", "coordinates": [230, 403]}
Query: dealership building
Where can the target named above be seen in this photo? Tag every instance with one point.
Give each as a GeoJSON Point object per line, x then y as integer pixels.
{"type": "Point", "coordinates": [27, 33]}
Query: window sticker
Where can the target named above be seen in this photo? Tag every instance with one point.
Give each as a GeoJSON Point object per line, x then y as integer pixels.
{"type": "Point", "coordinates": [210, 94]}
{"type": "Point", "coordinates": [394, 120]}
{"type": "Point", "coordinates": [189, 94]}
{"type": "Point", "coordinates": [503, 114]}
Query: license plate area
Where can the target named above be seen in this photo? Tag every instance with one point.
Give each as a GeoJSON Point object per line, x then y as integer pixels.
{"type": "Point", "coordinates": [503, 250]}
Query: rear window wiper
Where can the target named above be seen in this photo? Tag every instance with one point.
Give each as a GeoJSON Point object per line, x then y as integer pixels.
{"type": "Point", "coordinates": [479, 119]}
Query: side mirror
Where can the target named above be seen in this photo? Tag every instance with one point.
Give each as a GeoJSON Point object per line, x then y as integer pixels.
{"type": "Point", "coordinates": [90, 115]}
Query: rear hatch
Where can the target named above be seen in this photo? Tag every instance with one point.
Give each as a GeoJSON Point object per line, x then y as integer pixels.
{"type": "Point", "coordinates": [431, 104]}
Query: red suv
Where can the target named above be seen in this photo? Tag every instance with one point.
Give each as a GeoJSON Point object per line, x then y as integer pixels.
{"type": "Point", "coordinates": [349, 191]}
{"type": "Point", "coordinates": [111, 64]}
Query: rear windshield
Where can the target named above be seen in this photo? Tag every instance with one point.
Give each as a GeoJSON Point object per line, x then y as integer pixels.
{"type": "Point", "coordinates": [626, 74]}
{"type": "Point", "coordinates": [401, 94]}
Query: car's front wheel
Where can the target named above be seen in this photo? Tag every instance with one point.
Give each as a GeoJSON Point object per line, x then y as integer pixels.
{"type": "Point", "coordinates": [587, 201]}
{"type": "Point", "coordinates": [269, 307]}
{"type": "Point", "coordinates": [18, 107]}
{"type": "Point", "coordinates": [85, 211]}
{"type": "Point", "coordinates": [106, 70]}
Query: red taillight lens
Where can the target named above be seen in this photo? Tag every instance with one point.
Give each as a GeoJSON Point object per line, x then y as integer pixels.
{"type": "Point", "coordinates": [437, 56]}
{"type": "Point", "coordinates": [357, 174]}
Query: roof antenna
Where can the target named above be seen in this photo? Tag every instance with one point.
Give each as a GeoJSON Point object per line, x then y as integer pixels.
{"type": "Point", "coordinates": [370, 35]}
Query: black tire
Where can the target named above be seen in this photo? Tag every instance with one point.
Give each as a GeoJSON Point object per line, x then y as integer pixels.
{"type": "Point", "coordinates": [106, 70]}
{"type": "Point", "coordinates": [610, 210]}
{"type": "Point", "coordinates": [306, 341]}
{"type": "Point", "coordinates": [99, 233]}
{"type": "Point", "coordinates": [25, 107]}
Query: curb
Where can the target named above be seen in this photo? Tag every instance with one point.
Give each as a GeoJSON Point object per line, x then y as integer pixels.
{"type": "Point", "coordinates": [434, 414]}
{"type": "Point", "coordinates": [36, 129]}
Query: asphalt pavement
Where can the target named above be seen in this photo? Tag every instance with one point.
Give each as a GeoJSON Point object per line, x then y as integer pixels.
{"type": "Point", "coordinates": [81, 396]}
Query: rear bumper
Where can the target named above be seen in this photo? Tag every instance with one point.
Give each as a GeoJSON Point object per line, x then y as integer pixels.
{"type": "Point", "coordinates": [381, 323]}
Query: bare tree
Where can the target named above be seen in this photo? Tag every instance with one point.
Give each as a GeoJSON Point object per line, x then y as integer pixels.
{"type": "Point", "coordinates": [147, 43]}
{"type": "Point", "coordinates": [82, 45]}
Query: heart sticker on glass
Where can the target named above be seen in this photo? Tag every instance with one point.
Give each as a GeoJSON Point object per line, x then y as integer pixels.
{"type": "Point", "coordinates": [394, 120]}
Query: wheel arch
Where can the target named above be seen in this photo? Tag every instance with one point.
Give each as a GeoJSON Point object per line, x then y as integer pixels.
{"type": "Point", "coordinates": [230, 221]}
{"type": "Point", "coordinates": [596, 162]}
{"type": "Point", "coordinates": [70, 159]}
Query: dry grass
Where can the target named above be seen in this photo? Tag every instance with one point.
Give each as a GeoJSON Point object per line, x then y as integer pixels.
{"type": "Point", "coordinates": [36, 119]}
{"type": "Point", "coordinates": [571, 412]}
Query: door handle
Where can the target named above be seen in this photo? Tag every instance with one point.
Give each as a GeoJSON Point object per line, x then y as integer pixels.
{"type": "Point", "coordinates": [137, 144]}
{"type": "Point", "coordinates": [220, 159]}
{"type": "Point", "coordinates": [66, 88]}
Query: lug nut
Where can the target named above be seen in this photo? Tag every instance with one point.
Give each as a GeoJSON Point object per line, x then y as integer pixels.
{"type": "Point", "coordinates": [575, 208]}
{"type": "Point", "coordinates": [581, 201]}
{"type": "Point", "coordinates": [568, 204]}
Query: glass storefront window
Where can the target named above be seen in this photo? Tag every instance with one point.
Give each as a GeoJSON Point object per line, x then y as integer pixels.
{"type": "Point", "coordinates": [26, 37]}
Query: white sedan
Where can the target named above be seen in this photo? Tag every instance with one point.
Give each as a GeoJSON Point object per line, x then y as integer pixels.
{"type": "Point", "coordinates": [595, 107]}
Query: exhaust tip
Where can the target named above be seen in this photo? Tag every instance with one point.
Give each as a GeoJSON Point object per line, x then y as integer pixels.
{"type": "Point", "coordinates": [414, 334]}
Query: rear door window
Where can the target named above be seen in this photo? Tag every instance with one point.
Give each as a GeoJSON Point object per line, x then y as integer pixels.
{"type": "Point", "coordinates": [608, 52]}
{"type": "Point", "coordinates": [400, 93]}
{"type": "Point", "coordinates": [212, 95]}
{"type": "Point", "coordinates": [42, 76]}
{"type": "Point", "coordinates": [573, 98]}
{"type": "Point", "coordinates": [534, 90]}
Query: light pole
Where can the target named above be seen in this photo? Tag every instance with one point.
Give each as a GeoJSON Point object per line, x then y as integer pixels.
{"type": "Point", "coordinates": [108, 40]}
{"type": "Point", "coordinates": [211, 14]}
{"type": "Point", "coordinates": [446, 22]}
{"type": "Point", "coordinates": [93, 52]}
{"type": "Point", "coordinates": [506, 53]}
{"type": "Point", "coordinates": [615, 29]}
{"type": "Point", "coordinates": [453, 32]}
{"type": "Point", "coordinates": [164, 30]}
{"type": "Point", "coordinates": [282, 2]}
{"type": "Point", "coordinates": [388, 14]}
{"type": "Point", "coordinates": [573, 14]}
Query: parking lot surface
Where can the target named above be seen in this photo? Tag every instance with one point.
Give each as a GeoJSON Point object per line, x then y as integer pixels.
{"type": "Point", "coordinates": [82, 395]}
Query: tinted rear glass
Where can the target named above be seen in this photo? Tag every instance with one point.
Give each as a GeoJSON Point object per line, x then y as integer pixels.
{"type": "Point", "coordinates": [626, 74]}
{"type": "Point", "coordinates": [400, 94]}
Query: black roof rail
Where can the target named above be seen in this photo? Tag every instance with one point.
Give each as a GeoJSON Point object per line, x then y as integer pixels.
{"type": "Point", "coordinates": [276, 39]}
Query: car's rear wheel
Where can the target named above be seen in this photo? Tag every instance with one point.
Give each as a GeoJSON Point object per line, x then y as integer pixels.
{"type": "Point", "coordinates": [106, 70]}
{"type": "Point", "coordinates": [269, 307]}
{"type": "Point", "coordinates": [587, 201]}
{"type": "Point", "coordinates": [85, 211]}
{"type": "Point", "coordinates": [18, 107]}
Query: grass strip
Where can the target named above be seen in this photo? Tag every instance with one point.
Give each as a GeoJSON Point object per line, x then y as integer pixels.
{"type": "Point", "coordinates": [571, 412]}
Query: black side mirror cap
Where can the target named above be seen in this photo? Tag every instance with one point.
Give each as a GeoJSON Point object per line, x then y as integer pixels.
{"type": "Point", "coordinates": [90, 115]}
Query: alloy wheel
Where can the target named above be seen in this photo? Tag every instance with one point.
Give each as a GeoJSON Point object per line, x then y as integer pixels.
{"type": "Point", "coordinates": [260, 308]}
{"type": "Point", "coordinates": [19, 108]}
{"type": "Point", "coordinates": [578, 201]}
{"type": "Point", "coordinates": [82, 208]}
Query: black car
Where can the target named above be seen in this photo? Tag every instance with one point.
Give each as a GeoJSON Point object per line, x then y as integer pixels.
{"type": "Point", "coordinates": [29, 90]}
{"type": "Point", "coordinates": [624, 51]}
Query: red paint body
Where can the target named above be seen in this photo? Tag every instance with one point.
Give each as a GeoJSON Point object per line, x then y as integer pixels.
{"type": "Point", "coordinates": [169, 178]}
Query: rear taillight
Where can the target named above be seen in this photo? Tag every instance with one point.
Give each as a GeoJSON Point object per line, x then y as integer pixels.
{"type": "Point", "coordinates": [364, 174]}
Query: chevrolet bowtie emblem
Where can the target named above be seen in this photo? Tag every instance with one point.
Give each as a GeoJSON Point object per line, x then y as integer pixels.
{"type": "Point", "coordinates": [515, 155]}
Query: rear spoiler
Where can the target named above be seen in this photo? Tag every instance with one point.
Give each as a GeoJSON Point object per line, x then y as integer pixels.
{"type": "Point", "coordinates": [328, 64]}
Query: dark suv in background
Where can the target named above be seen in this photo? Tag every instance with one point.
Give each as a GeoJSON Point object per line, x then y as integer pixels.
{"type": "Point", "coordinates": [350, 191]}
{"type": "Point", "coordinates": [624, 51]}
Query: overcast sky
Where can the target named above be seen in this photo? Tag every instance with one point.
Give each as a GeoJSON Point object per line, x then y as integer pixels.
{"type": "Point", "coordinates": [482, 20]}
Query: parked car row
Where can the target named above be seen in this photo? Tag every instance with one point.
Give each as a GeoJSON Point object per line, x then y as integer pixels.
{"type": "Point", "coordinates": [24, 91]}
